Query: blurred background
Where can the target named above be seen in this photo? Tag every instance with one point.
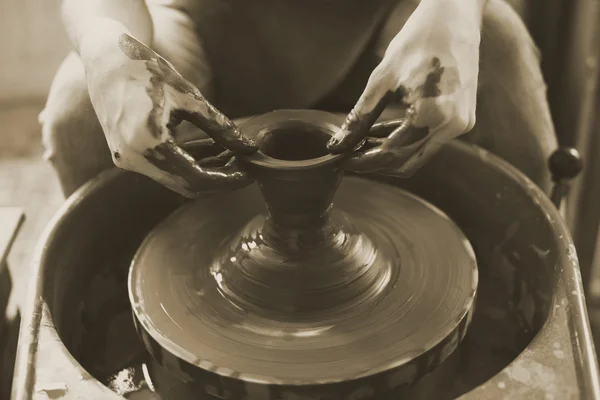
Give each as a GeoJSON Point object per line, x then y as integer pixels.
{"type": "Point", "coordinates": [33, 44]}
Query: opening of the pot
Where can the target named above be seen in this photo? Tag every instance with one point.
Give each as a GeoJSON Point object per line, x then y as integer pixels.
{"type": "Point", "coordinates": [295, 142]}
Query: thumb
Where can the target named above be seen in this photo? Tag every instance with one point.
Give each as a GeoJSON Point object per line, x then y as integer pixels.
{"type": "Point", "coordinates": [195, 108]}
{"type": "Point", "coordinates": [367, 110]}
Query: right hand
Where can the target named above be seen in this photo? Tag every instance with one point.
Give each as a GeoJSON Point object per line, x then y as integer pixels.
{"type": "Point", "coordinates": [138, 98]}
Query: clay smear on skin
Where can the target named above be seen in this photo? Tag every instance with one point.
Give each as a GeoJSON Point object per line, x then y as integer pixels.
{"type": "Point", "coordinates": [356, 126]}
{"type": "Point", "coordinates": [207, 116]}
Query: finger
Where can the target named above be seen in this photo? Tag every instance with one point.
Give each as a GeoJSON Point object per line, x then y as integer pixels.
{"type": "Point", "coordinates": [371, 142]}
{"type": "Point", "coordinates": [428, 149]}
{"type": "Point", "coordinates": [230, 163]}
{"type": "Point", "coordinates": [419, 158]}
{"type": "Point", "coordinates": [203, 146]}
{"type": "Point", "coordinates": [407, 137]}
{"type": "Point", "coordinates": [355, 128]}
{"type": "Point", "coordinates": [218, 160]}
{"type": "Point", "coordinates": [184, 131]}
{"type": "Point", "coordinates": [207, 152]}
{"type": "Point", "coordinates": [175, 163]}
{"type": "Point", "coordinates": [383, 129]}
{"type": "Point", "coordinates": [369, 107]}
{"type": "Point", "coordinates": [190, 103]}
{"type": "Point", "coordinates": [195, 108]}
{"type": "Point", "coordinates": [379, 159]}
{"type": "Point", "coordinates": [220, 128]}
{"type": "Point", "coordinates": [423, 143]}
{"type": "Point", "coordinates": [401, 144]}
{"type": "Point", "coordinates": [386, 128]}
{"type": "Point", "coordinates": [372, 160]}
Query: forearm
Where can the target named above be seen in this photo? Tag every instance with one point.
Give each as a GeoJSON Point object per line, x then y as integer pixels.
{"type": "Point", "coordinates": [92, 21]}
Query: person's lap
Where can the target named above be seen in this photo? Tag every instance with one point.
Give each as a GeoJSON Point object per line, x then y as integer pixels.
{"type": "Point", "coordinates": [507, 121]}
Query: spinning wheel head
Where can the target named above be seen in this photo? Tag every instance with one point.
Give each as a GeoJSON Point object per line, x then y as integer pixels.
{"type": "Point", "coordinates": [300, 297]}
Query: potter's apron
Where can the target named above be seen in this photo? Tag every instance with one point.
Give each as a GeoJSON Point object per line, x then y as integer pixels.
{"type": "Point", "coordinates": [274, 54]}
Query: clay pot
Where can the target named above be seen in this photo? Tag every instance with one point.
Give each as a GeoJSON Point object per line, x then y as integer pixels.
{"type": "Point", "coordinates": [295, 173]}
{"type": "Point", "coordinates": [366, 293]}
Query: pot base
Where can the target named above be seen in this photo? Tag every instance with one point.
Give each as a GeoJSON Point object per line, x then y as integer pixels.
{"type": "Point", "coordinates": [411, 324]}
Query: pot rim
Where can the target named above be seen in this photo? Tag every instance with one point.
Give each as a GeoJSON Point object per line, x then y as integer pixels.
{"type": "Point", "coordinates": [257, 127]}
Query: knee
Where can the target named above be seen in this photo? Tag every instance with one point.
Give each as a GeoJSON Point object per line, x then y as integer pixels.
{"type": "Point", "coordinates": [71, 133]}
{"type": "Point", "coordinates": [506, 45]}
{"type": "Point", "coordinates": [502, 25]}
{"type": "Point", "coordinates": [398, 16]}
{"type": "Point", "coordinates": [68, 116]}
{"type": "Point", "coordinates": [62, 132]}
{"type": "Point", "coordinates": [50, 138]}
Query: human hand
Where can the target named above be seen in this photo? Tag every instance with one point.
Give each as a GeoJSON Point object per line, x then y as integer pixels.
{"type": "Point", "coordinates": [431, 67]}
{"type": "Point", "coordinates": [139, 97]}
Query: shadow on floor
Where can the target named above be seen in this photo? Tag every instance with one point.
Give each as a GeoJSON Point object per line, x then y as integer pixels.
{"type": "Point", "coordinates": [28, 182]}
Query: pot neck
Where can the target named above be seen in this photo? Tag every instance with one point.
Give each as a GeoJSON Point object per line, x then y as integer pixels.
{"type": "Point", "coordinates": [294, 171]}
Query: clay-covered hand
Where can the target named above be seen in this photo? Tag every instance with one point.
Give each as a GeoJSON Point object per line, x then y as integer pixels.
{"type": "Point", "coordinates": [431, 67]}
{"type": "Point", "coordinates": [138, 97]}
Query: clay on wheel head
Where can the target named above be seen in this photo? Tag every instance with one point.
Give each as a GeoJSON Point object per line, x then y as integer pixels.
{"type": "Point", "coordinates": [297, 296]}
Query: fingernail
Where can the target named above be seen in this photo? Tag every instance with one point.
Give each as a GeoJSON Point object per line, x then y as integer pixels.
{"type": "Point", "coordinates": [332, 142]}
{"type": "Point", "coordinates": [337, 139]}
{"type": "Point", "coordinates": [249, 146]}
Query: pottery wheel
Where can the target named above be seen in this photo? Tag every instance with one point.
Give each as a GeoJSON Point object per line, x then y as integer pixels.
{"type": "Point", "coordinates": [424, 296]}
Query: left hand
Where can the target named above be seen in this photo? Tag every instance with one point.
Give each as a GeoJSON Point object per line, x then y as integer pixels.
{"type": "Point", "coordinates": [431, 66]}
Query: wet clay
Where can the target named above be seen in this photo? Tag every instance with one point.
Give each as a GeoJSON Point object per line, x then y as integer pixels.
{"type": "Point", "coordinates": [495, 336]}
{"type": "Point", "coordinates": [422, 287]}
{"type": "Point", "coordinates": [270, 284]}
{"type": "Point", "coordinates": [275, 286]}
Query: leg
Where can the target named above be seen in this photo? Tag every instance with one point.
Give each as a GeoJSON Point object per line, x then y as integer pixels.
{"type": "Point", "coordinates": [513, 116]}
{"type": "Point", "coordinates": [71, 133]}
{"type": "Point", "coordinates": [74, 141]}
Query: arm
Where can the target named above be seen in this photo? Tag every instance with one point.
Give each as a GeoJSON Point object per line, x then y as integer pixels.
{"type": "Point", "coordinates": [90, 22]}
